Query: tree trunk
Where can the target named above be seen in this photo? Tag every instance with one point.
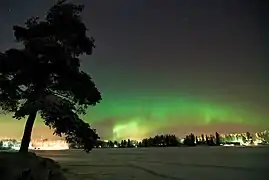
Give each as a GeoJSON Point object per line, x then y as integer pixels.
{"type": "Point", "coordinates": [27, 132]}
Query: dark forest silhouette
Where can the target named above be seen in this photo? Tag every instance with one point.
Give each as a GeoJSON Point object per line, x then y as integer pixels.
{"type": "Point", "coordinates": [44, 76]}
{"type": "Point", "coordinates": [167, 140]}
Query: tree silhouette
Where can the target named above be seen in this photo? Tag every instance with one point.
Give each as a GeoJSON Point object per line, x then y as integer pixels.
{"type": "Point", "coordinates": [145, 142]}
{"type": "Point", "coordinates": [196, 140]}
{"type": "Point", "coordinates": [210, 141]}
{"type": "Point", "coordinates": [171, 140]}
{"type": "Point", "coordinates": [162, 140]}
{"type": "Point", "coordinates": [207, 140]}
{"type": "Point", "coordinates": [129, 143]}
{"type": "Point", "coordinates": [192, 138]}
{"type": "Point", "coordinates": [248, 135]}
{"type": "Point", "coordinates": [44, 76]}
{"type": "Point", "coordinates": [167, 140]}
{"type": "Point", "coordinates": [189, 140]}
{"type": "Point", "coordinates": [123, 144]}
{"type": "Point", "coordinates": [217, 139]}
{"type": "Point", "coordinates": [110, 144]}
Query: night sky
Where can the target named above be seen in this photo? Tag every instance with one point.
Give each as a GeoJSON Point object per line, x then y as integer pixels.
{"type": "Point", "coordinates": [173, 66]}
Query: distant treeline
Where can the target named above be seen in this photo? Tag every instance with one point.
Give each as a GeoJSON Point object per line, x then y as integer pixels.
{"type": "Point", "coordinates": [167, 140]}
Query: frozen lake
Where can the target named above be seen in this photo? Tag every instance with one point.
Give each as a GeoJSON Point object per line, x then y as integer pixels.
{"type": "Point", "coordinates": [182, 163]}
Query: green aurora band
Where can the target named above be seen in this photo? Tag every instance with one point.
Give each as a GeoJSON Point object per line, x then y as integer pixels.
{"type": "Point", "coordinates": [140, 116]}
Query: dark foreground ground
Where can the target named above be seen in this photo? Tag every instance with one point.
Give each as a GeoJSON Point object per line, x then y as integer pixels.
{"type": "Point", "coordinates": [199, 163]}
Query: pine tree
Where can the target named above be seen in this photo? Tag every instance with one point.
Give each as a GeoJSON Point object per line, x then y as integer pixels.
{"type": "Point", "coordinates": [44, 76]}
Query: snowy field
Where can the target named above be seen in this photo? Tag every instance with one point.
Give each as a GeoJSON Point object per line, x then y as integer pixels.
{"type": "Point", "coordinates": [183, 163]}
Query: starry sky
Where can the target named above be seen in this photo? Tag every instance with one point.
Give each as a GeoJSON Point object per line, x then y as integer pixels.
{"type": "Point", "coordinates": [174, 66]}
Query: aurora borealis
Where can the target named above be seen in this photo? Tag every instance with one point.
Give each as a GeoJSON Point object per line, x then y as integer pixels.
{"type": "Point", "coordinates": [167, 67]}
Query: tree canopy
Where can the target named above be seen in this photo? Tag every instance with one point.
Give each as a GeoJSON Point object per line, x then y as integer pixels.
{"type": "Point", "coordinates": [45, 77]}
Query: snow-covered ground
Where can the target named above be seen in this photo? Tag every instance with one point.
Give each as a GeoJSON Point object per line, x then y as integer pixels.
{"type": "Point", "coordinates": [198, 163]}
